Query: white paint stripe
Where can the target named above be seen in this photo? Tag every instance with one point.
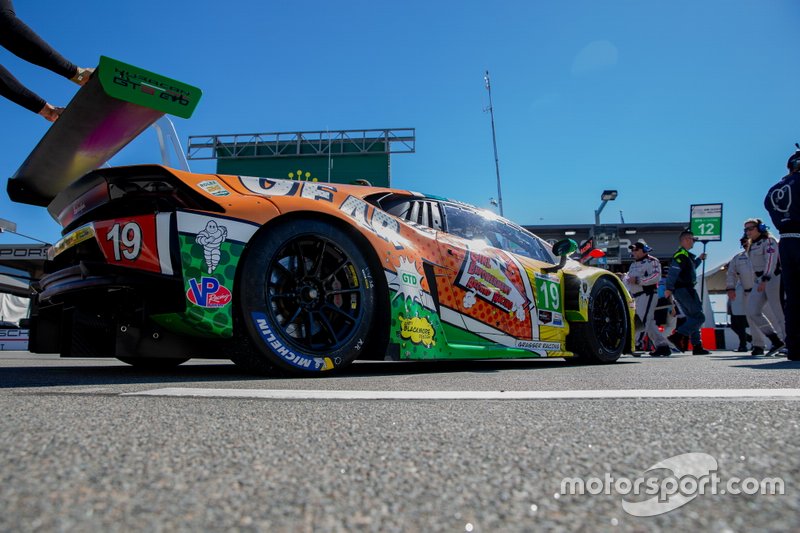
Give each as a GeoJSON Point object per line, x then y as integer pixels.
{"type": "Point", "coordinates": [162, 236]}
{"type": "Point", "coordinates": [467, 395]}
{"type": "Point", "coordinates": [488, 332]}
{"type": "Point", "coordinates": [238, 231]}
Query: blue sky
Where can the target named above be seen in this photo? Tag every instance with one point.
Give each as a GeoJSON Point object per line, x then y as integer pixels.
{"type": "Point", "coordinates": [670, 102]}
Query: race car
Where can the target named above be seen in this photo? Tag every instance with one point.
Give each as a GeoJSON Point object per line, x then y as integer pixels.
{"type": "Point", "coordinates": [157, 265]}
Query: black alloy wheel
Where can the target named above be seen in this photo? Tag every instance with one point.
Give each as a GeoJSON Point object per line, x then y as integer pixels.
{"type": "Point", "coordinates": [602, 339]}
{"type": "Point", "coordinates": [609, 319]}
{"type": "Point", "coordinates": [308, 301]}
{"type": "Point", "coordinates": [313, 294]}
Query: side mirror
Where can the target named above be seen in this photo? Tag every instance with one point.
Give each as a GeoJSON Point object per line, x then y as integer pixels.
{"type": "Point", "coordinates": [565, 247]}
{"type": "Point", "coordinates": [562, 248]}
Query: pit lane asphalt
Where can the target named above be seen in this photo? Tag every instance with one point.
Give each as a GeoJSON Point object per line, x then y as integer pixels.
{"type": "Point", "coordinates": [76, 455]}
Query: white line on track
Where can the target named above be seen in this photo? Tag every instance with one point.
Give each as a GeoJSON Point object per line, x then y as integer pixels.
{"type": "Point", "coordinates": [468, 395]}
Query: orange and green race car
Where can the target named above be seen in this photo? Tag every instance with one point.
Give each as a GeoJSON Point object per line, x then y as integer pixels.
{"type": "Point", "coordinates": [158, 265]}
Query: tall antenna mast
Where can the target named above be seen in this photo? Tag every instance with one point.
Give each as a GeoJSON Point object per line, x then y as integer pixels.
{"type": "Point", "coordinates": [494, 142]}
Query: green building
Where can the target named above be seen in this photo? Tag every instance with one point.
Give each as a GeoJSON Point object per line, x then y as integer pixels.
{"type": "Point", "coordinates": [343, 156]}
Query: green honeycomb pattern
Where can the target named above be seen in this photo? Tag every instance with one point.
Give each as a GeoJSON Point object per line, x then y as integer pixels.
{"type": "Point", "coordinates": [197, 320]}
{"type": "Point", "coordinates": [411, 350]}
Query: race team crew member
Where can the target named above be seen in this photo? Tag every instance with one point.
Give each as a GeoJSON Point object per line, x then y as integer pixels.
{"type": "Point", "coordinates": [22, 41]}
{"type": "Point", "coordinates": [763, 255]}
{"type": "Point", "coordinates": [740, 272]}
{"type": "Point", "coordinates": [783, 204]}
{"type": "Point", "coordinates": [642, 281]}
{"type": "Point", "coordinates": [681, 279]}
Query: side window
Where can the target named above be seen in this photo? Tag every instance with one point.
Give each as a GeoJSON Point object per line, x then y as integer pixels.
{"type": "Point", "coordinates": [400, 209]}
{"type": "Point", "coordinates": [425, 213]}
{"type": "Point", "coordinates": [495, 232]}
{"type": "Point", "coordinates": [460, 222]}
{"type": "Point", "coordinates": [436, 216]}
{"type": "Point", "coordinates": [541, 251]}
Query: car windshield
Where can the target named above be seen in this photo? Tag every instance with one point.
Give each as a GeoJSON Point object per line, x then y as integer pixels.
{"type": "Point", "coordinates": [495, 231]}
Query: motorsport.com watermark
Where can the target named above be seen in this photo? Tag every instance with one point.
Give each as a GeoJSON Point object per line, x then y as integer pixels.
{"type": "Point", "coordinates": [693, 474]}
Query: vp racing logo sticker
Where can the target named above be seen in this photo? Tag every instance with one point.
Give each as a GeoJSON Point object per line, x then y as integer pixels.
{"type": "Point", "coordinates": [300, 361]}
{"type": "Point", "coordinates": [208, 292]}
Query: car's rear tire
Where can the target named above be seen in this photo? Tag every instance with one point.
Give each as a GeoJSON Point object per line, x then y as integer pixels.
{"type": "Point", "coordinates": [307, 299]}
{"type": "Point", "coordinates": [602, 339]}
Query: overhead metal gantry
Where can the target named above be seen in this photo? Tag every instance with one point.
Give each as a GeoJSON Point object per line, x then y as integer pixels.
{"type": "Point", "coordinates": [303, 143]}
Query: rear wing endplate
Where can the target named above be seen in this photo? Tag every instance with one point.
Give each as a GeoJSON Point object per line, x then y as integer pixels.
{"type": "Point", "coordinates": [113, 108]}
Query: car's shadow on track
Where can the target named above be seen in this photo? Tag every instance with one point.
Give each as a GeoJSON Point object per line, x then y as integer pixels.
{"type": "Point", "coordinates": [404, 368]}
{"type": "Point", "coordinates": [116, 374]}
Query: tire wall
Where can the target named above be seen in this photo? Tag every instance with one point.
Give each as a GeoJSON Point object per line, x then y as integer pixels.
{"type": "Point", "coordinates": [580, 286]}
{"type": "Point", "coordinates": [631, 340]}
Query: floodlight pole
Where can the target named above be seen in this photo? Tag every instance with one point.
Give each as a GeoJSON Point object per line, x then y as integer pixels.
{"type": "Point", "coordinates": [607, 196]}
{"type": "Point", "coordinates": [598, 211]}
{"type": "Point", "coordinates": [494, 143]}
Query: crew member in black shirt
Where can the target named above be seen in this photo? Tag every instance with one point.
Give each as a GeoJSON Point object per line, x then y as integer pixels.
{"type": "Point", "coordinates": [22, 41]}
{"type": "Point", "coordinates": [783, 204]}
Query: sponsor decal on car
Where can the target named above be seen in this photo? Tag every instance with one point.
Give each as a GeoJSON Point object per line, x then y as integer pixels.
{"type": "Point", "coordinates": [548, 298]}
{"type": "Point", "coordinates": [407, 281]}
{"type": "Point", "coordinates": [270, 187]}
{"type": "Point", "coordinates": [374, 220]}
{"type": "Point", "coordinates": [208, 292]}
{"type": "Point", "coordinates": [73, 238]}
{"type": "Point", "coordinates": [298, 360]}
{"type": "Point", "coordinates": [214, 188]}
{"type": "Point", "coordinates": [418, 330]}
{"type": "Point", "coordinates": [318, 191]}
{"type": "Point", "coordinates": [211, 238]}
{"type": "Point", "coordinates": [131, 242]}
{"type": "Point", "coordinates": [538, 345]}
{"type": "Point", "coordinates": [484, 277]}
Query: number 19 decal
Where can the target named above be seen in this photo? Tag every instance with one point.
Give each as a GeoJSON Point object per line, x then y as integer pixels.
{"type": "Point", "coordinates": [126, 241]}
{"type": "Point", "coordinates": [548, 293]}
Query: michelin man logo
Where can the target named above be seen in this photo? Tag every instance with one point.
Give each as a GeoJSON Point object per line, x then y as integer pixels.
{"type": "Point", "coordinates": [781, 199]}
{"type": "Point", "coordinates": [210, 239]}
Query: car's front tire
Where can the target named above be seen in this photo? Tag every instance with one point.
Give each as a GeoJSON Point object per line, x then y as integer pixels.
{"type": "Point", "coordinates": [602, 338]}
{"type": "Point", "coordinates": [308, 299]}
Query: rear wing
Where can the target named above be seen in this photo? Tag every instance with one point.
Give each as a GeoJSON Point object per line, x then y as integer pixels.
{"type": "Point", "coordinates": [113, 108]}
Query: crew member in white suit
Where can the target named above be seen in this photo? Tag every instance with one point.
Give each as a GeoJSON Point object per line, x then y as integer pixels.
{"type": "Point", "coordinates": [740, 275]}
{"type": "Point", "coordinates": [642, 281]}
{"type": "Point", "coordinates": [763, 254]}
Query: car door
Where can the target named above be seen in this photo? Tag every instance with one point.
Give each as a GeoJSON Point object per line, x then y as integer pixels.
{"type": "Point", "coordinates": [490, 289]}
